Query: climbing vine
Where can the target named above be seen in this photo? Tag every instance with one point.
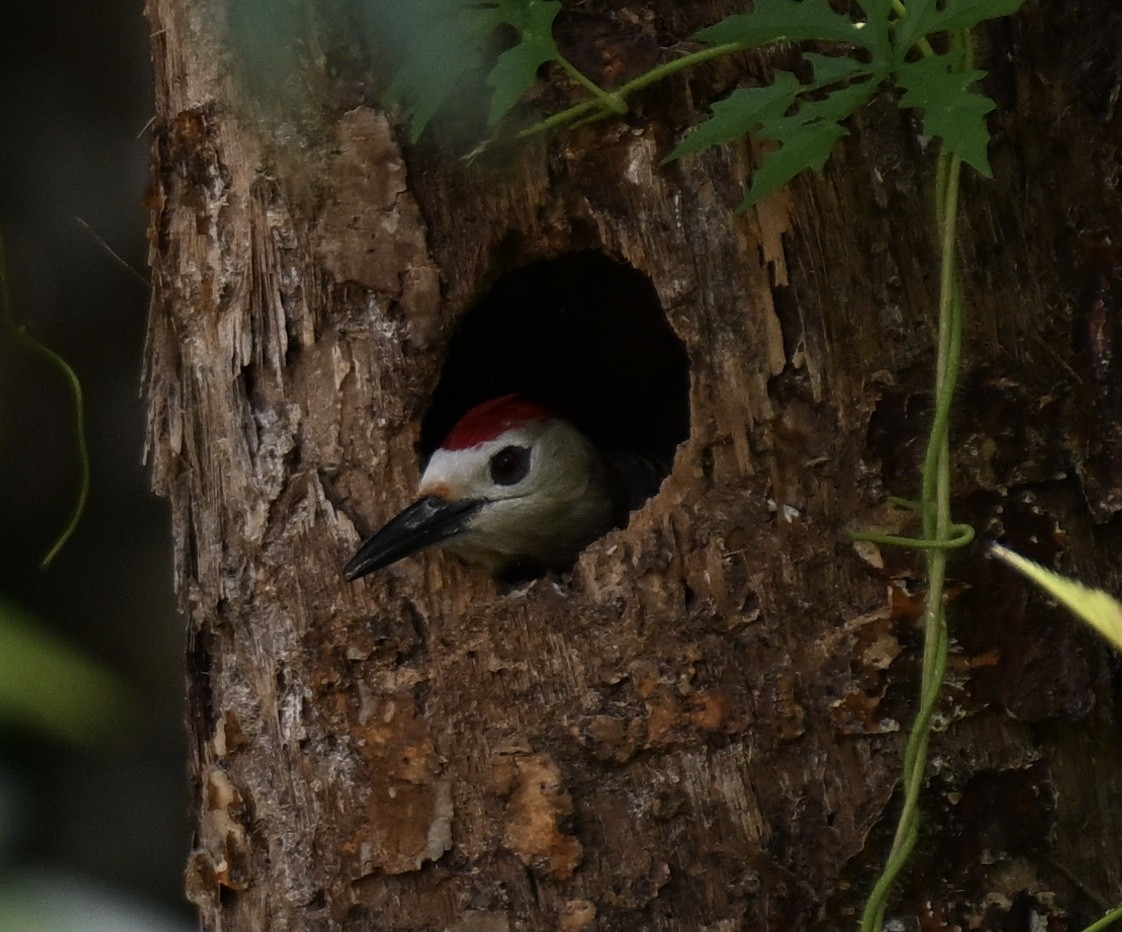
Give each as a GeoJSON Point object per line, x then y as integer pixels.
{"type": "Point", "coordinates": [922, 50]}
{"type": "Point", "coordinates": [11, 327]}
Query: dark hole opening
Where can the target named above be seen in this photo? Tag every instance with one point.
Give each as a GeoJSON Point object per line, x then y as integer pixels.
{"type": "Point", "coordinates": [586, 337]}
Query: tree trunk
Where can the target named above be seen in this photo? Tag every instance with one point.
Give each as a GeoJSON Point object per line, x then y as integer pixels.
{"type": "Point", "coordinates": [701, 726]}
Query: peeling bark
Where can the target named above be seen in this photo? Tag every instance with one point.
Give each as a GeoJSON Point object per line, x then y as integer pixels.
{"type": "Point", "coordinates": [701, 725]}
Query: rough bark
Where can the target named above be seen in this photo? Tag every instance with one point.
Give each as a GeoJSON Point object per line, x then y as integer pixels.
{"type": "Point", "coordinates": [701, 726]}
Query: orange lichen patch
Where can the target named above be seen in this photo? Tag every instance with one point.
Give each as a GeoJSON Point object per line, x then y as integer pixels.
{"type": "Point", "coordinates": [670, 720]}
{"type": "Point", "coordinates": [537, 806]}
{"type": "Point", "coordinates": [903, 605]}
{"type": "Point", "coordinates": [613, 738]}
{"type": "Point", "coordinates": [645, 678]}
{"type": "Point", "coordinates": [664, 715]}
{"type": "Point", "coordinates": [786, 713]}
{"type": "Point", "coordinates": [709, 710]}
{"type": "Point", "coordinates": [224, 803]}
{"type": "Point", "coordinates": [577, 916]}
{"type": "Point", "coordinates": [228, 736]}
{"type": "Point", "coordinates": [409, 809]}
{"type": "Point", "coordinates": [962, 665]}
{"type": "Point", "coordinates": [222, 856]}
{"type": "Point", "coordinates": [873, 647]}
{"type": "Point", "coordinates": [859, 714]}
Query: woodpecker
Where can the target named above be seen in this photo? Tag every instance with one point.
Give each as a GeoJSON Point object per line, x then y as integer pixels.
{"type": "Point", "coordinates": [516, 488]}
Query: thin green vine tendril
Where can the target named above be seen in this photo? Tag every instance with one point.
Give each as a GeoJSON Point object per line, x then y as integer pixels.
{"type": "Point", "coordinates": [20, 333]}
{"type": "Point", "coordinates": [83, 452]}
{"type": "Point", "coordinates": [938, 529]}
{"type": "Point", "coordinates": [960, 536]}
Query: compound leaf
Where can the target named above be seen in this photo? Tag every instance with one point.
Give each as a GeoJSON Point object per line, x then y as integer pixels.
{"type": "Point", "coordinates": [517, 67]}
{"type": "Point", "coordinates": [832, 69]}
{"type": "Point", "coordinates": [739, 113]}
{"type": "Point", "coordinates": [809, 147]}
{"type": "Point", "coordinates": [964, 14]}
{"type": "Point", "coordinates": [878, 13]}
{"type": "Point", "coordinates": [807, 136]}
{"type": "Point", "coordinates": [444, 42]}
{"type": "Point", "coordinates": [445, 45]}
{"type": "Point", "coordinates": [925, 17]}
{"type": "Point", "coordinates": [951, 110]}
{"type": "Point", "coordinates": [840, 104]}
{"type": "Point", "coordinates": [836, 106]}
{"type": "Point", "coordinates": [790, 20]}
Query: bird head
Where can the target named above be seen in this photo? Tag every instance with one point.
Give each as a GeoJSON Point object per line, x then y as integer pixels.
{"type": "Point", "coordinates": [512, 486]}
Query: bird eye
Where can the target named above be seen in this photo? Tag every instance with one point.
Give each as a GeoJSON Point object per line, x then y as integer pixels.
{"type": "Point", "coordinates": [510, 465]}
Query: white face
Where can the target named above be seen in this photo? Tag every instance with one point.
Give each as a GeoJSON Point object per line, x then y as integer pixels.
{"type": "Point", "coordinates": [456, 474]}
{"type": "Point", "coordinates": [544, 490]}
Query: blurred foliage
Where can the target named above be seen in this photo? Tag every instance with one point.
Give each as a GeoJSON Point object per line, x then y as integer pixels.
{"type": "Point", "coordinates": [1098, 609]}
{"type": "Point", "coordinates": [37, 901]}
{"type": "Point", "coordinates": [50, 687]}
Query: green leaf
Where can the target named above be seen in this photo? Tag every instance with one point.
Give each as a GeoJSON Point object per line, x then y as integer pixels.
{"type": "Point", "coordinates": [517, 67]}
{"type": "Point", "coordinates": [833, 69]}
{"type": "Point", "coordinates": [48, 685]}
{"type": "Point", "coordinates": [529, 17]}
{"type": "Point", "coordinates": [739, 113]}
{"type": "Point", "coordinates": [951, 110]}
{"type": "Point", "coordinates": [809, 147]}
{"type": "Point", "coordinates": [1097, 608]}
{"type": "Point", "coordinates": [443, 44]}
{"type": "Point", "coordinates": [925, 17]}
{"type": "Point", "coordinates": [964, 14]}
{"type": "Point", "coordinates": [443, 48]}
{"type": "Point", "coordinates": [878, 13]}
{"type": "Point", "coordinates": [807, 135]}
{"type": "Point", "coordinates": [836, 106]}
{"type": "Point", "coordinates": [842, 103]}
{"type": "Point", "coordinates": [791, 20]}
{"type": "Point", "coordinates": [807, 138]}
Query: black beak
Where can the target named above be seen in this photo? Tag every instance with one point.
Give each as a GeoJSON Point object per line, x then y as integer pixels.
{"type": "Point", "coordinates": [424, 523]}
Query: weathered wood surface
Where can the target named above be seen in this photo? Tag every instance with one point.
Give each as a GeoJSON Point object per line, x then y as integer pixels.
{"type": "Point", "coordinates": [700, 728]}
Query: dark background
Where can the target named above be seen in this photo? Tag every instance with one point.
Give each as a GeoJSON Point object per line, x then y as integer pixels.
{"type": "Point", "coordinates": [108, 819]}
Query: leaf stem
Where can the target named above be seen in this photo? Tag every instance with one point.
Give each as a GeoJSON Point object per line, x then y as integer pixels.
{"type": "Point", "coordinates": [610, 101]}
{"type": "Point", "coordinates": [923, 45]}
{"type": "Point", "coordinates": [607, 103]}
{"type": "Point", "coordinates": [1108, 920]}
